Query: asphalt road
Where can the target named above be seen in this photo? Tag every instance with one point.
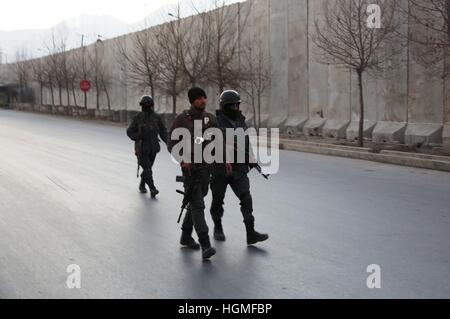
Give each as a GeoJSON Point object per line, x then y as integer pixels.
{"type": "Point", "coordinates": [68, 195]}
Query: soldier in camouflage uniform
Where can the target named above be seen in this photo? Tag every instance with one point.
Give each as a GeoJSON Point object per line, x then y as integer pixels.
{"type": "Point", "coordinates": [198, 173]}
{"type": "Point", "coordinates": [230, 117]}
{"type": "Point", "coordinates": [144, 130]}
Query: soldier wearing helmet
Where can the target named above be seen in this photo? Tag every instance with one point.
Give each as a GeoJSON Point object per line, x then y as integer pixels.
{"type": "Point", "coordinates": [230, 117]}
{"type": "Point", "coordinates": [144, 130]}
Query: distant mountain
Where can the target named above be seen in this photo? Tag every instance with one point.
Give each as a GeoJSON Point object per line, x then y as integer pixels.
{"type": "Point", "coordinates": [91, 26]}
{"type": "Point", "coordinates": [72, 30]}
{"type": "Point", "coordinates": [34, 41]}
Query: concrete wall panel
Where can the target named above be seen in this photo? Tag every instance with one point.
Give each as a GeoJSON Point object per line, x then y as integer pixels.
{"type": "Point", "coordinates": [279, 63]}
{"type": "Point", "coordinates": [298, 63]}
{"type": "Point", "coordinates": [407, 103]}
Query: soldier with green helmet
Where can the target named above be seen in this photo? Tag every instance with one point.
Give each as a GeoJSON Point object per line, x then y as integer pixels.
{"type": "Point", "coordinates": [230, 117]}
{"type": "Point", "coordinates": [144, 130]}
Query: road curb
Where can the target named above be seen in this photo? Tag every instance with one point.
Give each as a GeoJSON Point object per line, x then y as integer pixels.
{"type": "Point", "coordinates": [439, 163]}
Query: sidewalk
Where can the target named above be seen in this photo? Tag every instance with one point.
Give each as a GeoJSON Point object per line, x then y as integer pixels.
{"type": "Point", "coordinates": [374, 153]}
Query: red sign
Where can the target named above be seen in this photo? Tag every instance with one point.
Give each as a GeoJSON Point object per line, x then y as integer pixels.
{"type": "Point", "coordinates": [85, 85]}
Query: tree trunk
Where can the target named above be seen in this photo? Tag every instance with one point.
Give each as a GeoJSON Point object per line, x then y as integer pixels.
{"type": "Point", "coordinates": [20, 91]}
{"type": "Point", "coordinates": [259, 109]}
{"type": "Point", "coordinates": [97, 93]}
{"type": "Point", "coordinates": [53, 97]}
{"type": "Point", "coordinates": [60, 95]}
{"type": "Point", "coordinates": [74, 94]}
{"type": "Point", "coordinates": [107, 98]}
{"type": "Point", "coordinates": [68, 95]}
{"type": "Point", "coordinates": [361, 115]}
{"type": "Point", "coordinates": [42, 93]}
{"type": "Point", "coordinates": [150, 83]}
{"type": "Point", "coordinates": [174, 104]}
{"type": "Point", "coordinates": [255, 115]}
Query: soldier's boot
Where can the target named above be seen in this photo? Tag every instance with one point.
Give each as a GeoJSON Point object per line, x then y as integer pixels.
{"type": "Point", "coordinates": [218, 231]}
{"type": "Point", "coordinates": [151, 184]}
{"type": "Point", "coordinates": [253, 236]}
{"type": "Point", "coordinates": [154, 192]}
{"type": "Point", "coordinates": [188, 241]}
{"type": "Point", "coordinates": [207, 250]}
{"type": "Point", "coordinates": [142, 187]}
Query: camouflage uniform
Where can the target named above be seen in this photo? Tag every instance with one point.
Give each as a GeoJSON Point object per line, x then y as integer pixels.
{"type": "Point", "coordinates": [200, 172]}
{"type": "Point", "coordinates": [144, 130]}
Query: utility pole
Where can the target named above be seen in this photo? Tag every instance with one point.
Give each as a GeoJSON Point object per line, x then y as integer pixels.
{"type": "Point", "coordinates": [97, 80]}
{"type": "Point", "coordinates": [176, 33]}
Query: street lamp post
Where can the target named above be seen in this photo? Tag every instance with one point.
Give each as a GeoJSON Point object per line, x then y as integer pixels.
{"type": "Point", "coordinates": [97, 89]}
{"type": "Point", "coordinates": [82, 38]}
{"type": "Point", "coordinates": [176, 35]}
{"type": "Point", "coordinates": [97, 68]}
{"type": "Point", "coordinates": [83, 61]}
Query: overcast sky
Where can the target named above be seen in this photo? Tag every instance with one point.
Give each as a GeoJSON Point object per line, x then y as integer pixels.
{"type": "Point", "coordinates": [43, 14]}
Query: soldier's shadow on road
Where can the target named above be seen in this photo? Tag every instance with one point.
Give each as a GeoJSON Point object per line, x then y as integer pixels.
{"type": "Point", "coordinates": [148, 201]}
{"type": "Point", "coordinates": [256, 251]}
{"type": "Point", "coordinates": [193, 262]}
{"type": "Point", "coordinates": [188, 251]}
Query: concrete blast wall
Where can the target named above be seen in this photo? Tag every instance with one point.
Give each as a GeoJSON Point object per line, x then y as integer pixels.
{"type": "Point", "coordinates": [406, 105]}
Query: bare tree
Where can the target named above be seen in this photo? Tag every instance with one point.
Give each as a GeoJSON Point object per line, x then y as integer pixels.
{"type": "Point", "coordinates": [59, 80]}
{"type": "Point", "coordinates": [21, 71]}
{"type": "Point", "coordinates": [106, 80]}
{"type": "Point", "coordinates": [57, 64]}
{"type": "Point", "coordinates": [48, 71]}
{"type": "Point", "coordinates": [172, 80]}
{"type": "Point", "coordinates": [102, 79]}
{"type": "Point", "coordinates": [430, 31]}
{"type": "Point", "coordinates": [227, 27]}
{"type": "Point", "coordinates": [66, 72]}
{"type": "Point", "coordinates": [63, 72]}
{"type": "Point", "coordinates": [19, 66]}
{"type": "Point", "coordinates": [96, 61]}
{"type": "Point", "coordinates": [196, 48]}
{"type": "Point", "coordinates": [255, 78]}
{"type": "Point", "coordinates": [346, 40]}
{"type": "Point", "coordinates": [141, 59]}
{"type": "Point", "coordinates": [73, 75]}
{"type": "Point", "coordinates": [38, 74]}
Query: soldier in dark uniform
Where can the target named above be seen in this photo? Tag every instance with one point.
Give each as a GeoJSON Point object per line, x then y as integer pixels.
{"type": "Point", "coordinates": [198, 173]}
{"type": "Point", "coordinates": [229, 116]}
{"type": "Point", "coordinates": [144, 130]}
